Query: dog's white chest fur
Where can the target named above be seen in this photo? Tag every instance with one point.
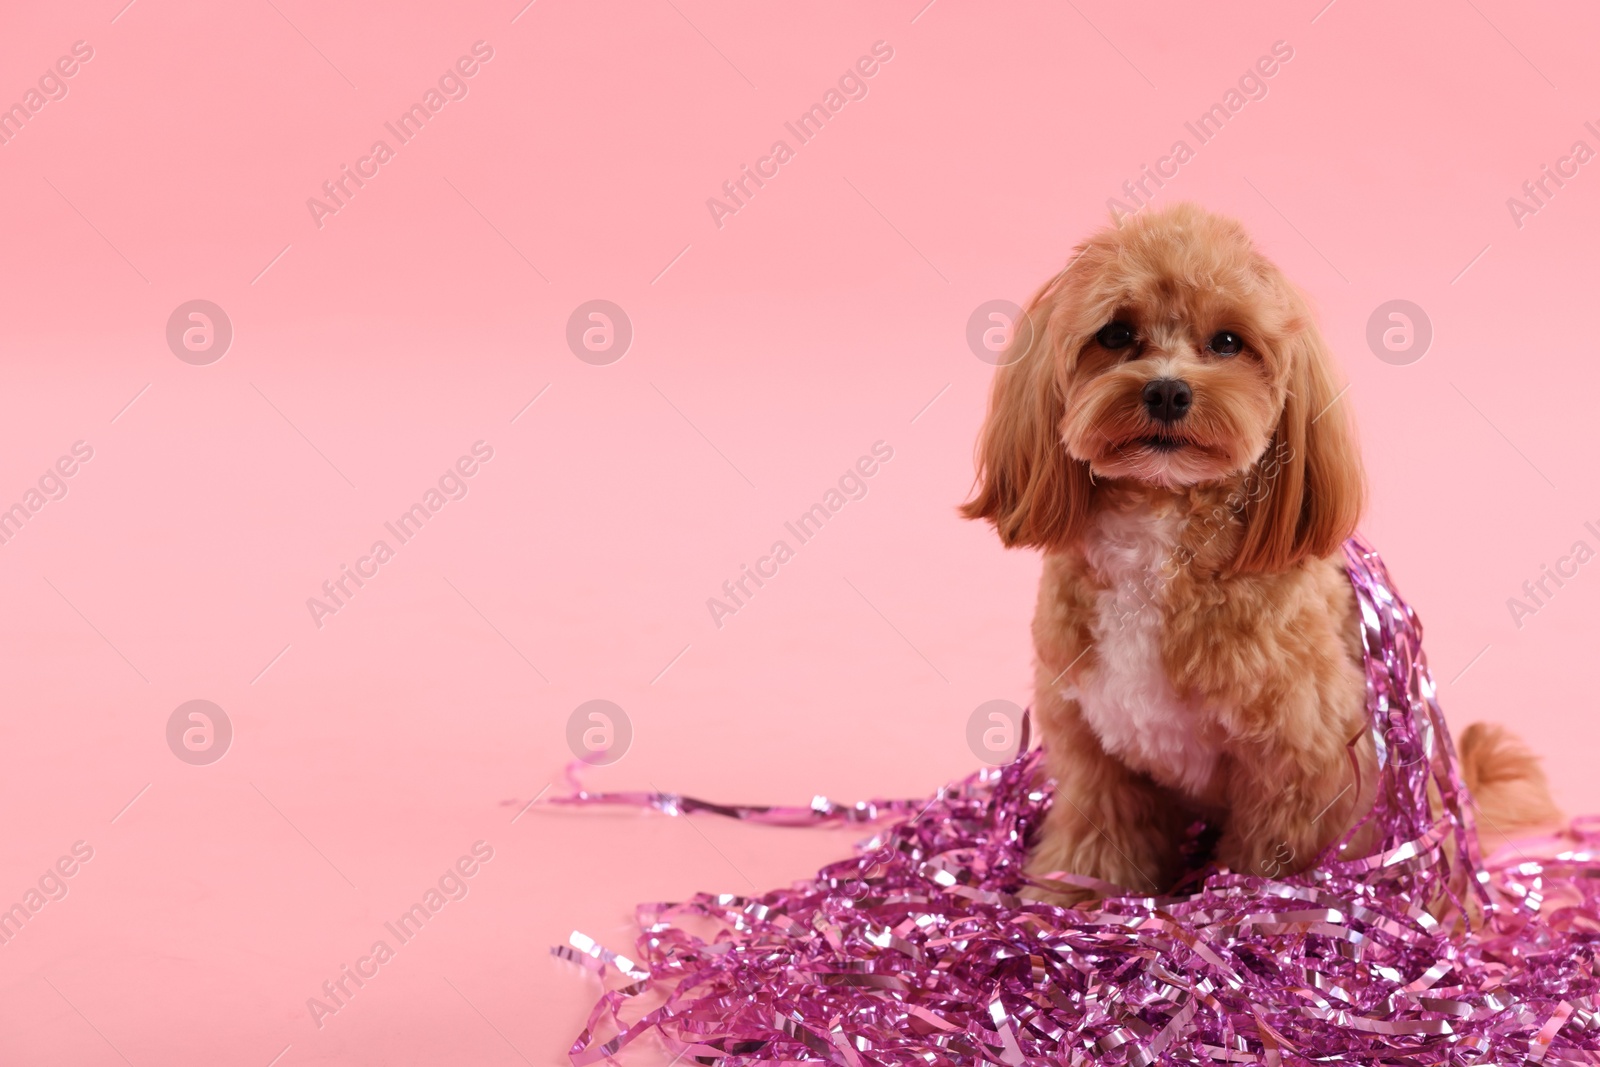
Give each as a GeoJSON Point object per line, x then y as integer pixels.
{"type": "Point", "coordinates": [1125, 694]}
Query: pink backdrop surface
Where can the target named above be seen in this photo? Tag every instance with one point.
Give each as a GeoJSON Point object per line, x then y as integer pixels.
{"type": "Point", "coordinates": [374, 746]}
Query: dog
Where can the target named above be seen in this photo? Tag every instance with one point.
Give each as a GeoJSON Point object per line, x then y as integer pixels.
{"type": "Point", "coordinates": [1167, 427]}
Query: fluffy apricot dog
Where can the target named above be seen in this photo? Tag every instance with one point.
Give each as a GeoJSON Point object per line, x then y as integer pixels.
{"type": "Point", "coordinates": [1167, 427]}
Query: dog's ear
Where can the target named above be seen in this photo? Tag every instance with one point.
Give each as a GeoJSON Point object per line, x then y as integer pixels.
{"type": "Point", "coordinates": [1314, 486]}
{"type": "Point", "coordinates": [1027, 485]}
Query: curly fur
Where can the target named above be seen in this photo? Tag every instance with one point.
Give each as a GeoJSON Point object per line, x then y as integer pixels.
{"type": "Point", "coordinates": [1197, 647]}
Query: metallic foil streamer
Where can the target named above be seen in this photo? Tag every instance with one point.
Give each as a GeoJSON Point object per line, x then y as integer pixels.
{"type": "Point", "coordinates": [917, 950]}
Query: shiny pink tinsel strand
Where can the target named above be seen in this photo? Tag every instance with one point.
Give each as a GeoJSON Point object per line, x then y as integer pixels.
{"type": "Point", "coordinates": [918, 951]}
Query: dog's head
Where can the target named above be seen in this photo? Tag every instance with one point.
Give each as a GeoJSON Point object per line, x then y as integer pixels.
{"type": "Point", "coordinates": [1170, 352]}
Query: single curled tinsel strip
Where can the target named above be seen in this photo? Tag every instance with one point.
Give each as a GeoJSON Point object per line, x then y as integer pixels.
{"type": "Point", "coordinates": [918, 950]}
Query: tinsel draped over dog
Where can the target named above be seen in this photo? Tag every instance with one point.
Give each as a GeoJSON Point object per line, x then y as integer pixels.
{"type": "Point", "coordinates": [918, 950]}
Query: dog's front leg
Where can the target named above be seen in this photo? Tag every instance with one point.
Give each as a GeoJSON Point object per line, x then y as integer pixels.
{"type": "Point", "coordinates": [1285, 807]}
{"type": "Point", "coordinates": [1106, 822]}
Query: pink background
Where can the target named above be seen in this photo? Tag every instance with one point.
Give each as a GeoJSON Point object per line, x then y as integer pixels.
{"type": "Point", "coordinates": [828, 314]}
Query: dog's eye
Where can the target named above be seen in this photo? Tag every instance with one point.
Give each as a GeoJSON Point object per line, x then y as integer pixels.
{"type": "Point", "coordinates": [1115, 335]}
{"type": "Point", "coordinates": [1226, 343]}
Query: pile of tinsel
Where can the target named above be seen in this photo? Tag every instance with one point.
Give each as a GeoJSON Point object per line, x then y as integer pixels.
{"type": "Point", "coordinates": [918, 950]}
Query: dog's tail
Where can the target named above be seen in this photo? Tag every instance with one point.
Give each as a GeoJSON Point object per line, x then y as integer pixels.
{"type": "Point", "coordinates": [1507, 784]}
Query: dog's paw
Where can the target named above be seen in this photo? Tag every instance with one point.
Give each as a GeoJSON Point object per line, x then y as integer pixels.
{"type": "Point", "coordinates": [1063, 897]}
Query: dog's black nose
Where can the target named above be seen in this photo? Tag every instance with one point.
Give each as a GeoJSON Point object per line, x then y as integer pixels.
{"type": "Point", "coordinates": [1167, 399]}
